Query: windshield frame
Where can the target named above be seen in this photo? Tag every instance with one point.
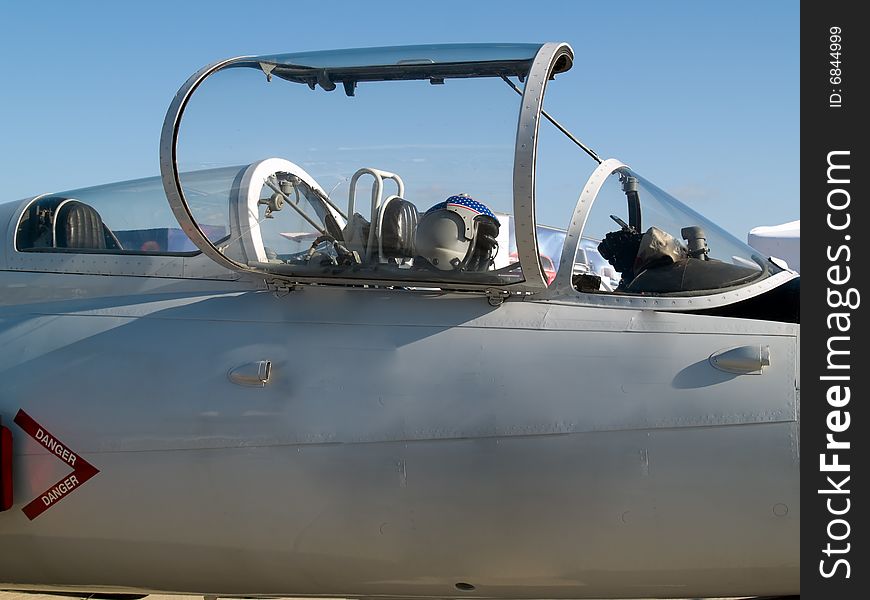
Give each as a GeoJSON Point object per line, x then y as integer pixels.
{"type": "Point", "coordinates": [562, 289]}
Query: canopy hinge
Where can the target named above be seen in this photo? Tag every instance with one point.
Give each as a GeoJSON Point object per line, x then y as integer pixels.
{"type": "Point", "coordinates": [281, 288]}
{"type": "Point", "coordinates": [496, 297]}
{"type": "Point", "coordinates": [267, 69]}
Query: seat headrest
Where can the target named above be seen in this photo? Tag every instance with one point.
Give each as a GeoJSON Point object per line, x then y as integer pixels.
{"type": "Point", "coordinates": [397, 229]}
{"type": "Point", "coordinates": [78, 225]}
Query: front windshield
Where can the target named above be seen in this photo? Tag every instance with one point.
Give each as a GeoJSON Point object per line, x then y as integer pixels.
{"type": "Point", "coordinates": [657, 245]}
{"type": "Point", "coordinates": [402, 180]}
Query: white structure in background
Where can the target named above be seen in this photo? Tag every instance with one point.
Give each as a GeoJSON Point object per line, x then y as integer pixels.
{"type": "Point", "coordinates": [782, 241]}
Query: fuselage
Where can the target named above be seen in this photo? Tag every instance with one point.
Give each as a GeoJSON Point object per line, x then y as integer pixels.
{"type": "Point", "coordinates": [406, 442]}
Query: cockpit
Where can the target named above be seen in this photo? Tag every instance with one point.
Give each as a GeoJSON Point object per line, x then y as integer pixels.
{"type": "Point", "coordinates": [406, 167]}
{"type": "Point", "coordinates": [658, 245]}
{"type": "Point", "coordinates": [124, 218]}
{"type": "Point", "coordinates": [286, 224]}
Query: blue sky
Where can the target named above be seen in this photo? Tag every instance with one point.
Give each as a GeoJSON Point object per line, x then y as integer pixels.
{"type": "Point", "coordinates": [700, 97]}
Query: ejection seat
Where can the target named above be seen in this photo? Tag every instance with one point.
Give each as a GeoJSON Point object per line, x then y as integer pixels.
{"type": "Point", "coordinates": [397, 222]}
{"type": "Point", "coordinates": [389, 238]}
{"type": "Point", "coordinates": [64, 223]}
{"type": "Point", "coordinates": [77, 225]}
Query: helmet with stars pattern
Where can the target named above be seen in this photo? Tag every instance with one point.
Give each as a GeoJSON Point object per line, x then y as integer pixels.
{"type": "Point", "coordinates": [458, 234]}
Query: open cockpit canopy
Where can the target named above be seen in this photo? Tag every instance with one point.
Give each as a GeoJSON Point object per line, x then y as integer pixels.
{"type": "Point", "coordinates": [435, 154]}
{"type": "Point", "coordinates": [433, 62]}
{"type": "Point", "coordinates": [430, 181]}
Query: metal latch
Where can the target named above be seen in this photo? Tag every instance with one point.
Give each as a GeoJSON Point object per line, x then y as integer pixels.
{"type": "Point", "coordinates": [496, 297]}
{"type": "Point", "coordinates": [281, 288]}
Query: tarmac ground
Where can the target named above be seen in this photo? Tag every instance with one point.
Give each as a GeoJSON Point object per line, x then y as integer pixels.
{"type": "Point", "coordinates": [32, 596]}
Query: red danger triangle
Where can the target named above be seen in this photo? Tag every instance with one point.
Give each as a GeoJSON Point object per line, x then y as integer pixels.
{"type": "Point", "coordinates": [82, 469]}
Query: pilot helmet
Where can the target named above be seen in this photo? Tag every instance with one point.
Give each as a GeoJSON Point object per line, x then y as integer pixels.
{"type": "Point", "coordinates": [458, 234]}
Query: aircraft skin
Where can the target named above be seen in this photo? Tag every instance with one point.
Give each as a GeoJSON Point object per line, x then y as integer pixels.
{"type": "Point", "coordinates": [407, 443]}
{"type": "Point", "coordinates": [365, 468]}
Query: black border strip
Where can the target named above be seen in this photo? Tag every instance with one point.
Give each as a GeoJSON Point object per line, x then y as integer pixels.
{"type": "Point", "coordinates": [834, 113]}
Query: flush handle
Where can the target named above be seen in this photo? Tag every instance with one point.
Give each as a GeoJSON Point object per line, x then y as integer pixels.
{"type": "Point", "coordinates": [744, 360]}
{"type": "Point", "coordinates": [252, 374]}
